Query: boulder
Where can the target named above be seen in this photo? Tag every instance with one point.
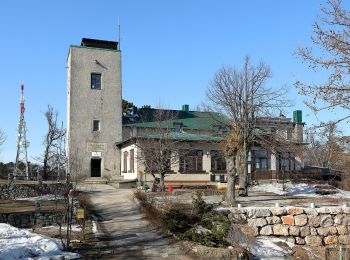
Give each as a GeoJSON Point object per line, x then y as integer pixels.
{"type": "Point", "coordinates": [344, 240]}
{"type": "Point", "coordinates": [294, 231]}
{"type": "Point", "coordinates": [326, 221]}
{"type": "Point", "coordinates": [280, 230]}
{"type": "Point", "coordinates": [342, 229]}
{"type": "Point", "coordinates": [300, 220]}
{"type": "Point", "coordinates": [257, 222]}
{"type": "Point", "coordinates": [295, 211]}
{"type": "Point", "coordinates": [274, 220]}
{"type": "Point", "coordinates": [338, 219]}
{"type": "Point", "coordinates": [326, 231]}
{"type": "Point", "coordinates": [279, 211]}
{"type": "Point", "coordinates": [330, 240]}
{"type": "Point", "coordinates": [313, 240]}
{"type": "Point", "coordinates": [288, 220]}
{"type": "Point", "coordinates": [258, 212]}
{"type": "Point", "coordinates": [300, 241]}
{"type": "Point", "coordinates": [304, 231]}
{"type": "Point", "coordinates": [266, 231]}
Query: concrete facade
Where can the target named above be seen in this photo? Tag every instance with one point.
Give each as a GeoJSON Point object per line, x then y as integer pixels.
{"type": "Point", "coordinates": [85, 104]}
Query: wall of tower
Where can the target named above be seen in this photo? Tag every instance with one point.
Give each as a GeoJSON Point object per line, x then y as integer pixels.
{"type": "Point", "coordinates": [85, 104]}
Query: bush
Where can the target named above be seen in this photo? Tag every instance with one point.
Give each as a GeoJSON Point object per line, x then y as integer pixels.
{"type": "Point", "coordinates": [175, 221]}
{"type": "Point", "coordinates": [199, 205]}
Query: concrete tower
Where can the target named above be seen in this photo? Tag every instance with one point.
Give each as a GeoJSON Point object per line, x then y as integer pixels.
{"type": "Point", "coordinates": [94, 109]}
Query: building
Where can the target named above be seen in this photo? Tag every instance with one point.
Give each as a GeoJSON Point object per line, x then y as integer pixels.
{"type": "Point", "coordinates": [94, 109]}
{"type": "Point", "coordinates": [201, 134]}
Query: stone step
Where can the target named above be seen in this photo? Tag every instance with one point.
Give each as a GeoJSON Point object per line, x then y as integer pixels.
{"type": "Point", "coordinates": [96, 180]}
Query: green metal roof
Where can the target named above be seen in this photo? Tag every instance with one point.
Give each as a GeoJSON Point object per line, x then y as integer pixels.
{"type": "Point", "coordinates": [193, 120]}
{"type": "Point", "coordinates": [182, 136]}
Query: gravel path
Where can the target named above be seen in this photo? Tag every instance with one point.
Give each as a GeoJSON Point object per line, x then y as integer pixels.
{"type": "Point", "coordinates": [123, 233]}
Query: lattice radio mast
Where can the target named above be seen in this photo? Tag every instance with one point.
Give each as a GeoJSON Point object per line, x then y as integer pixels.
{"type": "Point", "coordinates": [22, 143]}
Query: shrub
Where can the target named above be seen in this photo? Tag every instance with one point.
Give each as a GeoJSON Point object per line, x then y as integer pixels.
{"type": "Point", "coordinates": [175, 221]}
{"type": "Point", "coordinates": [199, 205]}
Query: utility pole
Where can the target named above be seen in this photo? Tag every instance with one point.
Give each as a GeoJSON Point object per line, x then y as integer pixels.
{"type": "Point", "coordinates": [22, 143]}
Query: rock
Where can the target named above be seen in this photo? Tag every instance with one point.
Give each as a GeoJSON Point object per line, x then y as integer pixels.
{"type": "Point", "coordinates": [315, 221]}
{"type": "Point", "coordinates": [295, 211]}
{"type": "Point", "coordinates": [342, 229]}
{"type": "Point", "coordinates": [326, 231]}
{"type": "Point", "coordinates": [258, 212]}
{"type": "Point", "coordinates": [313, 240]}
{"type": "Point", "coordinates": [266, 231]}
{"type": "Point", "coordinates": [300, 220]}
{"type": "Point", "coordinates": [304, 231]}
{"type": "Point", "coordinates": [311, 212]}
{"type": "Point", "coordinates": [344, 240]}
{"type": "Point", "coordinates": [288, 220]}
{"type": "Point", "coordinates": [326, 221]}
{"type": "Point", "coordinates": [330, 240]}
{"type": "Point", "coordinates": [273, 220]}
{"type": "Point", "coordinates": [294, 231]}
{"type": "Point", "coordinates": [338, 219]}
{"type": "Point", "coordinates": [313, 231]}
{"type": "Point", "coordinates": [346, 220]}
{"type": "Point", "coordinates": [299, 241]}
{"type": "Point", "coordinates": [257, 222]}
{"type": "Point", "coordinates": [280, 230]}
{"type": "Point", "coordinates": [237, 218]}
{"type": "Point", "coordinates": [279, 211]}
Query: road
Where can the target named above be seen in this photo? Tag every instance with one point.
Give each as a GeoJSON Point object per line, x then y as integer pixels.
{"type": "Point", "coordinates": [123, 232]}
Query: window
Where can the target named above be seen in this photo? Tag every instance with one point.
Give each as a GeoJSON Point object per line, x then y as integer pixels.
{"type": "Point", "coordinates": [218, 162]}
{"type": "Point", "coordinates": [125, 162]}
{"type": "Point", "coordinates": [132, 160]}
{"type": "Point", "coordinates": [95, 125]}
{"type": "Point", "coordinates": [192, 161]}
{"type": "Point", "coordinates": [95, 81]}
{"type": "Point", "coordinates": [178, 127]}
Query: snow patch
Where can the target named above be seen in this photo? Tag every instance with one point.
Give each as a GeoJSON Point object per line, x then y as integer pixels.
{"type": "Point", "coordinates": [22, 244]}
{"type": "Point", "coordinates": [42, 198]}
{"type": "Point", "coordinates": [266, 249]}
{"type": "Point", "coordinates": [300, 189]}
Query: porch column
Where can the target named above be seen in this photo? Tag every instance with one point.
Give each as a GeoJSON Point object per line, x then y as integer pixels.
{"type": "Point", "coordinates": [175, 166]}
{"type": "Point", "coordinates": [207, 161]}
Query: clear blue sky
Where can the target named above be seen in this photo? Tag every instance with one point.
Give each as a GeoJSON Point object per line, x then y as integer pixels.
{"type": "Point", "coordinates": [170, 49]}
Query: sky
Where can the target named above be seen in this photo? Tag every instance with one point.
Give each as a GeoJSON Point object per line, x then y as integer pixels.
{"type": "Point", "coordinates": [170, 51]}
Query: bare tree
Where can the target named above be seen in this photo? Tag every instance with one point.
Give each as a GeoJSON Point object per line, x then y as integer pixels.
{"type": "Point", "coordinates": [330, 53]}
{"type": "Point", "coordinates": [328, 147]}
{"type": "Point", "coordinates": [52, 143]}
{"type": "Point", "coordinates": [242, 95]}
{"type": "Point", "coordinates": [159, 147]}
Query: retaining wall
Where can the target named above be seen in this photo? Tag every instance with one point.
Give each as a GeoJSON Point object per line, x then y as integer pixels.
{"type": "Point", "coordinates": [310, 226]}
{"type": "Point", "coordinates": [32, 219]}
{"type": "Point", "coordinates": [13, 191]}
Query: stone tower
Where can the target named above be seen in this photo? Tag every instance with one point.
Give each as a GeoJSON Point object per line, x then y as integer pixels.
{"type": "Point", "coordinates": [94, 109]}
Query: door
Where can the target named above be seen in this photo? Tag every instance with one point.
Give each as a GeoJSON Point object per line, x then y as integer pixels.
{"type": "Point", "coordinates": [96, 167]}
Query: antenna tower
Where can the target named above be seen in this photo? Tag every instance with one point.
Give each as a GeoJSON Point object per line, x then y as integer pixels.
{"type": "Point", "coordinates": [22, 144]}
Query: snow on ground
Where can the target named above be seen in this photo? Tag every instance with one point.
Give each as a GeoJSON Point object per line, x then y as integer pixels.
{"type": "Point", "coordinates": [265, 249]}
{"type": "Point", "coordinates": [21, 244]}
{"type": "Point", "coordinates": [43, 197]}
{"type": "Point", "coordinates": [300, 189]}
{"type": "Point", "coordinates": [75, 228]}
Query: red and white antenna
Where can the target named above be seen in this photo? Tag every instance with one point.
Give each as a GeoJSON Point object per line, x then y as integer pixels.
{"type": "Point", "coordinates": [21, 165]}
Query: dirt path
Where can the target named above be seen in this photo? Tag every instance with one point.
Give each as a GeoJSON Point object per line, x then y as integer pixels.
{"type": "Point", "coordinates": [123, 233]}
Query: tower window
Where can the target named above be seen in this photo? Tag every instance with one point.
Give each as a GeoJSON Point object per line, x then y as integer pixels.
{"type": "Point", "coordinates": [95, 81]}
{"type": "Point", "coordinates": [95, 125]}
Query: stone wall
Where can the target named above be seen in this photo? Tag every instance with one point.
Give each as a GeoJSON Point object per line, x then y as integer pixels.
{"type": "Point", "coordinates": [13, 191]}
{"type": "Point", "coordinates": [32, 219]}
{"type": "Point", "coordinates": [310, 226]}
